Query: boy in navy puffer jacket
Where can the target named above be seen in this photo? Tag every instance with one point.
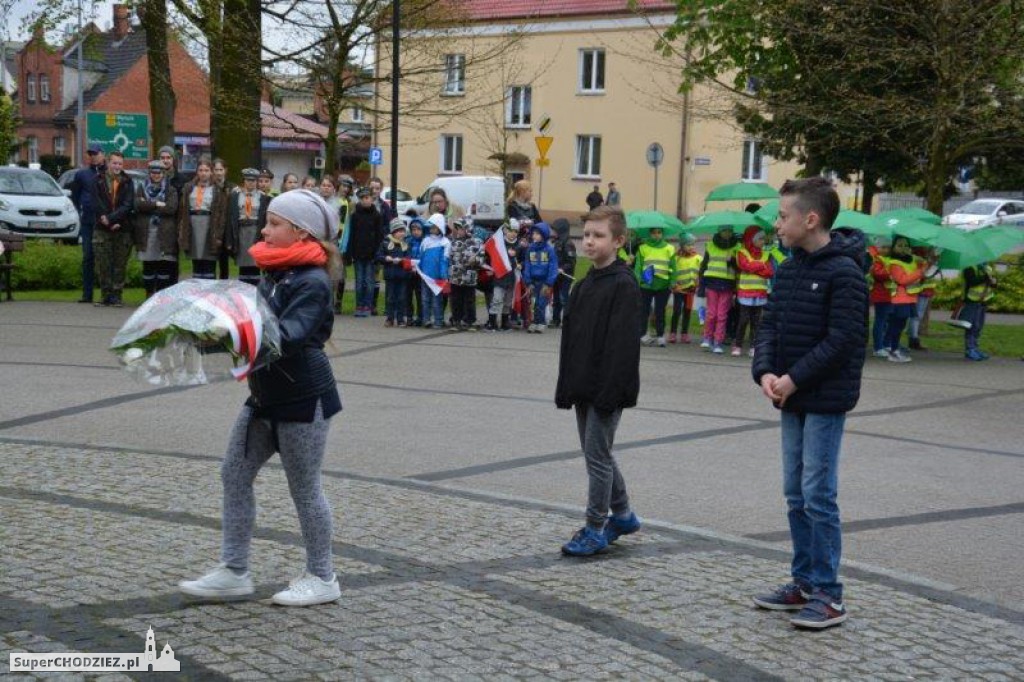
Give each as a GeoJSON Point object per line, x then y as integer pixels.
{"type": "Point", "coordinates": [540, 270]}
{"type": "Point", "coordinates": [808, 360]}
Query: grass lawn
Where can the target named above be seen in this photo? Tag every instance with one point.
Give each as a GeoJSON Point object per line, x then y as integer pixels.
{"type": "Point", "coordinates": [1005, 340]}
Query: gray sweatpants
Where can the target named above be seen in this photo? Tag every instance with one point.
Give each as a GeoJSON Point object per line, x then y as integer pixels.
{"type": "Point", "coordinates": [607, 488]}
{"type": "Point", "coordinates": [253, 442]}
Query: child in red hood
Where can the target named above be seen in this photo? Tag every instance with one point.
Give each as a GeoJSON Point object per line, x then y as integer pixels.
{"type": "Point", "coordinates": [752, 288]}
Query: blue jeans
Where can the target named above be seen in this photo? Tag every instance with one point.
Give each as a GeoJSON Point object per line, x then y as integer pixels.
{"type": "Point", "coordinates": [560, 299]}
{"type": "Point", "coordinates": [810, 482]}
{"type": "Point", "coordinates": [433, 306]}
{"type": "Point", "coordinates": [974, 313]}
{"type": "Point", "coordinates": [882, 312]}
{"type": "Point", "coordinates": [900, 313]}
{"type": "Point", "coordinates": [364, 284]}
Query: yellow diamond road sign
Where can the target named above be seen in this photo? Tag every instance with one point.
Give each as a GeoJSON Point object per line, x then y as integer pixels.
{"type": "Point", "coordinates": [543, 145]}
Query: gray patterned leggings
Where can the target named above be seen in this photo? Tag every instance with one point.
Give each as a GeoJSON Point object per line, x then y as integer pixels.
{"type": "Point", "coordinates": [253, 442]}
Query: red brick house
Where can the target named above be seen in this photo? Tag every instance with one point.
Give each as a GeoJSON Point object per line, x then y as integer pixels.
{"type": "Point", "coordinates": [115, 78]}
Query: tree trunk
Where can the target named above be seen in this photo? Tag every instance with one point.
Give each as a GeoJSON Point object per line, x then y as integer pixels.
{"type": "Point", "coordinates": [237, 129]}
{"type": "Point", "coordinates": [162, 102]}
{"type": "Point", "coordinates": [869, 182]}
{"type": "Point", "coordinates": [331, 143]}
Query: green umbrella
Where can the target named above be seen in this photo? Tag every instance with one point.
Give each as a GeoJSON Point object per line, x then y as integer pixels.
{"type": "Point", "coordinates": [642, 222]}
{"type": "Point", "coordinates": [856, 220]}
{"type": "Point", "coordinates": [914, 230]}
{"type": "Point", "coordinates": [749, 191]}
{"type": "Point", "coordinates": [914, 213]}
{"type": "Point", "coordinates": [709, 223]}
{"type": "Point", "coordinates": [769, 212]}
{"type": "Point", "coordinates": [980, 246]}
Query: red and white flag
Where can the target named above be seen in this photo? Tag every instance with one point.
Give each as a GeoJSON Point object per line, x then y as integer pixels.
{"type": "Point", "coordinates": [497, 252]}
{"type": "Point", "coordinates": [438, 286]}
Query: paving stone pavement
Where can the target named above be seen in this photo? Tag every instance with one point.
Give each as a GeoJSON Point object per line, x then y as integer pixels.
{"type": "Point", "coordinates": [437, 584]}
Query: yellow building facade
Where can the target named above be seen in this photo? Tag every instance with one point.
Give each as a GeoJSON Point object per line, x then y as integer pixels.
{"type": "Point", "coordinates": [602, 94]}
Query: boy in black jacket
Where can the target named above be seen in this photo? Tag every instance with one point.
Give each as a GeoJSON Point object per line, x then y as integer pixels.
{"type": "Point", "coordinates": [113, 200]}
{"type": "Point", "coordinates": [808, 360]}
{"type": "Point", "coordinates": [565, 251]}
{"type": "Point", "coordinates": [599, 375]}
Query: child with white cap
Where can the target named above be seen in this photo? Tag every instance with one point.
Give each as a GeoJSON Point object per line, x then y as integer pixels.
{"type": "Point", "coordinates": [435, 252]}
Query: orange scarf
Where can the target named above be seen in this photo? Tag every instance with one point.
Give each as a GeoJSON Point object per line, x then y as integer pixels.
{"type": "Point", "coordinates": [304, 252]}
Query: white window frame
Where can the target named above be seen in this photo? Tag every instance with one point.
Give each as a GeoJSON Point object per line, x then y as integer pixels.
{"type": "Point", "coordinates": [59, 146]}
{"type": "Point", "coordinates": [523, 95]}
{"type": "Point", "coordinates": [454, 75]}
{"type": "Point", "coordinates": [598, 76]}
{"type": "Point", "coordinates": [589, 167]}
{"type": "Point", "coordinates": [451, 154]}
{"type": "Point", "coordinates": [358, 115]}
{"type": "Point", "coordinates": [44, 88]}
{"type": "Point", "coordinates": [30, 82]}
{"type": "Point", "coordinates": [752, 166]}
{"type": "Point", "coordinates": [32, 146]}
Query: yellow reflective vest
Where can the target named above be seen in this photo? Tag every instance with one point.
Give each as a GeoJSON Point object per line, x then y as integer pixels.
{"type": "Point", "coordinates": [718, 262]}
{"type": "Point", "coordinates": [687, 268]}
{"type": "Point", "coordinates": [662, 258]}
{"type": "Point", "coordinates": [982, 293]}
{"type": "Point", "coordinates": [748, 280]}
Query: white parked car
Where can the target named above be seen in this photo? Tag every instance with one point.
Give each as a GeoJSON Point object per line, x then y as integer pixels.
{"type": "Point", "coordinates": [985, 212]}
{"type": "Point", "coordinates": [33, 204]}
{"type": "Point", "coordinates": [405, 200]}
{"type": "Point", "coordinates": [481, 197]}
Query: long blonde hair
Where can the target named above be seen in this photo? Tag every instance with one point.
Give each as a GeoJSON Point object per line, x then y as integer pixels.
{"type": "Point", "coordinates": [518, 189]}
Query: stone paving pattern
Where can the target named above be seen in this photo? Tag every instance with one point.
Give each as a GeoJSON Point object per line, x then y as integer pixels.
{"type": "Point", "coordinates": [436, 585]}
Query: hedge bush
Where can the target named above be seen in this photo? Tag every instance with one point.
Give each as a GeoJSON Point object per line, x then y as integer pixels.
{"type": "Point", "coordinates": [1009, 296]}
{"type": "Point", "coordinates": [54, 266]}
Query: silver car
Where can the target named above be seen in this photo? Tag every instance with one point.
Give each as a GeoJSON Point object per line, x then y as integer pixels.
{"type": "Point", "coordinates": [985, 212]}
{"type": "Point", "coordinates": [32, 204]}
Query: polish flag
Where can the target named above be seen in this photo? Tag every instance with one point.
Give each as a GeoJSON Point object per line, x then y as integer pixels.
{"type": "Point", "coordinates": [520, 296]}
{"type": "Point", "coordinates": [438, 286]}
{"type": "Point", "coordinates": [498, 254]}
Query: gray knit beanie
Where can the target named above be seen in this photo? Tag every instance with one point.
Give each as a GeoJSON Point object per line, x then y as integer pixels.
{"type": "Point", "coordinates": [307, 211]}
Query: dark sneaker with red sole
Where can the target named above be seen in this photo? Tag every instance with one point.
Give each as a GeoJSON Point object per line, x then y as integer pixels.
{"type": "Point", "coordinates": [786, 598]}
{"type": "Point", "coordinates": [820, 613]}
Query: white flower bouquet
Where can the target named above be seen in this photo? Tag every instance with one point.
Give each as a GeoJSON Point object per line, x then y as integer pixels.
{"type": "Point", "coordinates": [165, 342]}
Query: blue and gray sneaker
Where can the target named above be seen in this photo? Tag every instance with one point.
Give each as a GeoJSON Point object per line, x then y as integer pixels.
{"type": "Point", "coordinates": [820, 612]}
{"type": "Point", "coordinates": [586, 542]}
{"type": "Point", "coordinates": [786, 598]}
{"type": "Point", "coordinates": [616, 527]}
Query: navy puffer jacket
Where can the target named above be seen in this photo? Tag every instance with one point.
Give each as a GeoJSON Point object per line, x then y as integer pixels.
{"type": "Point", "coordinates": [815, 326]}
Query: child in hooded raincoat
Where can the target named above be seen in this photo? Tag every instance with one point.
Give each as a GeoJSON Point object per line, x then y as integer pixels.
{"type": "Point", "coordinates": [540, 270]}
{"type": "Point", "coordinates": [754, 263]}
{"type": "Point", "coordinates": [435, 252]}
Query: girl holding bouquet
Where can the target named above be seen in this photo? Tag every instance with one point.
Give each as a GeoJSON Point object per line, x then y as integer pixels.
{"type": "Point", "coordinates": [291, 403]}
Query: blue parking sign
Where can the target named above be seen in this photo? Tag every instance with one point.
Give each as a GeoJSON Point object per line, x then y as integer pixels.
{"type": "Point", "coordinates": [376, 156]}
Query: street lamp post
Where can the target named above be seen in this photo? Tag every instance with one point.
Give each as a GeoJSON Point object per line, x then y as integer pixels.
{"type": "Point", "coordinates": [79, 121]}
{"type": "Point", "coordinates": [395, 13]}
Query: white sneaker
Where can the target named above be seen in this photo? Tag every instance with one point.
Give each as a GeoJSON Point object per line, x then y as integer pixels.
{"type": "Point", "coordinates": [539, 329]}
{"type": "Point", "coordinates": [219, 583]}
{"type": "Point", "coordinates": [896, 356]}
{"type": "Point", "coordinates": [646, 340]}
{"type": "Point", "coordinates": [531, 329]}
{"type": "Point", "coordinates": [661, 342]}
{"type": "Point", "coordinates": [307, 590]}
{"type": "Point", "coordinates": [882, 353]}
{"type": "Point", "coordinates": [705, 344]}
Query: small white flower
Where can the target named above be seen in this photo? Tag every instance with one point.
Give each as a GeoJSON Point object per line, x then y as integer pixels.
{"type": "Point", "coordinates": [132, 355]}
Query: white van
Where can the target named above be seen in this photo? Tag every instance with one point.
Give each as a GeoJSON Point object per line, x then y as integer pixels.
{"type": "Point", "coordinates": [482, 197]}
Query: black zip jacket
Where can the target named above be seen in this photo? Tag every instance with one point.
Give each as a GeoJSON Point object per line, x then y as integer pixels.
{"type": "Point", "coordinates": [599, 362]}
{"type": "Point", "coordinates": [815, 326]}
{"type": "Point", "coordinates": [302, 300]}
{"type": "Point", "coordinates": [367, 231]}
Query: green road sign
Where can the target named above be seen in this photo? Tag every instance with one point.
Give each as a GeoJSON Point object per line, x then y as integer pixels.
{"type": "Point", "coordinates": [126, 133]}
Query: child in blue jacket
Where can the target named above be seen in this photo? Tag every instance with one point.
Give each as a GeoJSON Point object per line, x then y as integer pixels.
{"type": "Point", "coordinates": [540, 270]}
{"type": "Point", "coordinates": [434, 254]}
{"type": "Point", "coordinates": [413, 296]}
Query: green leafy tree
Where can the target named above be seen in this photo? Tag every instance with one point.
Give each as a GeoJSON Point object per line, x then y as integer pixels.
{"type": "Point", "coordinates": [904, 90]}
{"type": "Point", "coordinates": [8, 128]}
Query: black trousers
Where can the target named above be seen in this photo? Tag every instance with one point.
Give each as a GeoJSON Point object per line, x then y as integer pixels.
{"type": "Point", "coordinates": [749, 315]}
{"type": "Point", "coordinates": [463, 300]}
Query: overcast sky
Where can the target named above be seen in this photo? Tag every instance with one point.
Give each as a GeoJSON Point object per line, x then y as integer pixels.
{"type": "Point", "coordinates": [23, 8]}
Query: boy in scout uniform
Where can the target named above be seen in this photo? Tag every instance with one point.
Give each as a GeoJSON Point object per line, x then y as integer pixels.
{"type": "Point", "coordinates": [244, 225]}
